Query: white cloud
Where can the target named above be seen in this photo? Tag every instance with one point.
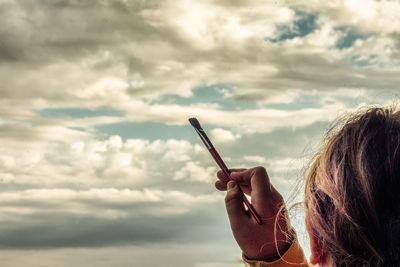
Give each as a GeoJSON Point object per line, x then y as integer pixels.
{"type": "Point", "coordinates": [207, 25]}
{"type": "Point", "coordinates": [255, 159]}
{"type": "Point", "coordinates": [222, 135]}
{"type": "Point", "coordinates": [358, 13]}
{"type": "Point", "coordinates": [91, 162]}
{"type": "Point", "coordinates": [193, 171]}
{"type": "Point", "coordinates": [111, 202]}
{"type": "Point", "coordinates": [251, 120]}
{"type": "Point", "coordinates": [204, 43]}
{"type": "Point", "coordinates": [284, 165]}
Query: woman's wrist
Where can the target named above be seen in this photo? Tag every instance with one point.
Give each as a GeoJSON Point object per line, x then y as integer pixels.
{"type": "Point", "coordinates": [283, 242]}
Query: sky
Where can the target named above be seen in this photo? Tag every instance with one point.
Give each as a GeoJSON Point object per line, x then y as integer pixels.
{"type": "Point", "coordinates": [98, 164]}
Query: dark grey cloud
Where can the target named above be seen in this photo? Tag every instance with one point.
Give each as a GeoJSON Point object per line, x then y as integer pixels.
{"type": "Point", "coordinates": [60, 229]}
{"type": "Point", "coordinates": [46, 31]}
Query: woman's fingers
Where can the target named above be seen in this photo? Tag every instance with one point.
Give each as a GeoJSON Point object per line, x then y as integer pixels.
{"type": "Point", "coordinates": [222, 176]}
{"type": "Point", "coordinates": [256, 177]}
{"type": "Point", "coordinates": [237, 214]}
{"type": "Point", "coordinates": [222, 186]}
{"type": "Point", "coordinates": [262, 193]}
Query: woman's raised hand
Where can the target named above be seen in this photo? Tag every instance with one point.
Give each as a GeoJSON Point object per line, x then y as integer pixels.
{"type": "Point", "coordinates": [265, 242]}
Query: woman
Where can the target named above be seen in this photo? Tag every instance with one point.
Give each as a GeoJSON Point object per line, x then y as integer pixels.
{"type": "Point", "coordinates": [352, 201]}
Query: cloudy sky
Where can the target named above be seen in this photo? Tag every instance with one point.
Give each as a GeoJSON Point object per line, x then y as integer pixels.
{"type": "Point", "coordinates": [98, 165]}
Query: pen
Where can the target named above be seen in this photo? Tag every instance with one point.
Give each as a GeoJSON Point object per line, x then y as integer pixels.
{"type": "Point", "coordinates": [196, 124]}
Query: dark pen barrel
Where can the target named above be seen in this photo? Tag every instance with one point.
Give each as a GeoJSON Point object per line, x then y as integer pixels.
{"type": "Point", "coordinates": [196, 124]}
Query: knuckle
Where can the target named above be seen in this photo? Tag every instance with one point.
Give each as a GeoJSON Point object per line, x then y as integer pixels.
{"type": "Point", "coordinates": [260, 177]}
{"type": "Point", "coordinates": [279, 199]}
{"type": "Point", "coordinates": [222, 176]}
{"type": "Point", "coordinates": [261, 173]}
{"type": "Point", "coordinates": [229, 198]}
{"type": "Point", "coordinates": [260, 170]}
{"type": "Point", "coordinates": [220, 185]}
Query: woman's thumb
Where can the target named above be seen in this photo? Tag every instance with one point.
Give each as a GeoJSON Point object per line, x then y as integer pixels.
{"type": "Point", "coordinates": [234, 205]}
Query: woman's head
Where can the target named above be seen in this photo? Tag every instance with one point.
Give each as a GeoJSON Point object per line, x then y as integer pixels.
{"type": "Point", "coordinates": [352, 193]}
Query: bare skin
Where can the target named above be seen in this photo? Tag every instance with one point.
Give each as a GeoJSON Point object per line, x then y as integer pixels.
{"type": "Point", "coordinates": [265, 242]}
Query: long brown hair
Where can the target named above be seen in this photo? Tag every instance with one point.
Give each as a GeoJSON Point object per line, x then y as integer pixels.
{"type": "Point", "coordinates": [352, 192]}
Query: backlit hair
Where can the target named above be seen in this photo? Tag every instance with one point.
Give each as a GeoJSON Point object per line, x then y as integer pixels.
{"type": "Point", "coordinates": [352, 192]}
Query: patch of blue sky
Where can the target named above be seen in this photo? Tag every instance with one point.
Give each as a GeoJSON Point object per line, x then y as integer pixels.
{"type": "Point", "coordinates": [147, 130]}
{"type": "Point", "coordinates": [303, 24]}
{"type": "Point", "coordinates": [152, 131]}
{"type": "Point", "coordinates": [348, 37]}
{"type": "Point", "coordinates": [79, 112]}
{"type": "Point", "coordinates": [216, 94]}
{"type": "Point", "coordinates": [209, 94]}
{"type": "Point", "coordinates": [364, 60]}
{"type": "Point", "coordinates": [201, 94]}
{"type": "Point", "coordinates": [375, 61]}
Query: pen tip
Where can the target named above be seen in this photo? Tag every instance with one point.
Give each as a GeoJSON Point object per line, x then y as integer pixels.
{"type": "Point", "coordinates": [195, 123]}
